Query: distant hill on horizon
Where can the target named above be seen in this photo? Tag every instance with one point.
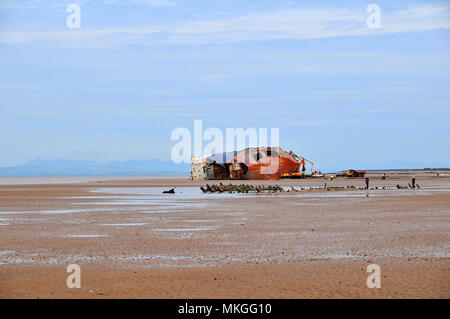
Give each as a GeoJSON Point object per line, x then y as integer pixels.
{"type": "Point", "coordinates": [67, 167]}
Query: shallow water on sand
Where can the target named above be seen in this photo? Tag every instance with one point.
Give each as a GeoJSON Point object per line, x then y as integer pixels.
{"type": "Point", "coordinates": [27, 180]}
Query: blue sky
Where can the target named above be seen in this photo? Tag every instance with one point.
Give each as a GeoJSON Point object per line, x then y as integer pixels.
{"type": "Point", "coordinates": [116, 88]}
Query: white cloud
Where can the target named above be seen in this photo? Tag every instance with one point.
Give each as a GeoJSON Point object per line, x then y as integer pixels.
{"type": "Point", "coordinates": [151, 3]}
{"type": "Point", "coordinates": [282, 24]}
{"type": "Point", "coordinates": [309, 24]}
{"type": "Point", "coordinates": [156, 3]}
{"type": "Point", "coordinates": [29, 4]}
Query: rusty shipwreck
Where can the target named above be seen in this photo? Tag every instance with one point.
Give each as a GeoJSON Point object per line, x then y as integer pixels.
{"type": "Point", "coordinates": [264, 163]}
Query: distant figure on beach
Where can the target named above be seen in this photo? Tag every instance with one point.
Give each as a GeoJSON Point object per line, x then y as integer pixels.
{"type": "Point", "coordinates": [367, 182]}
{"type": "Point", "coordinates": [413, 182]}
{"type": "Point", "coordinates": [383, 177]}
{"type": "Point", "coordinates": [331, 177]}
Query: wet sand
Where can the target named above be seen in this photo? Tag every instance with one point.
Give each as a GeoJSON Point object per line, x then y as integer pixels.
{"type": "Point", "coordinates": [132, 241]}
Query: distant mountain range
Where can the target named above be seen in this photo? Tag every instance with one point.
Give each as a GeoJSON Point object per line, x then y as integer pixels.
{"type": "Point", "coordinates": [64, 167]}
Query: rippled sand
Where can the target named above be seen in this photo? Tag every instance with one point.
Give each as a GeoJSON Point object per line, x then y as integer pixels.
{"type": "Point", "coordinates": [131, 240]}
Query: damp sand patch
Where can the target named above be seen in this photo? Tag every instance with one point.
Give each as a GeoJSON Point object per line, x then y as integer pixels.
{"type": "Point", "coordinates": [125, 224]}
{"type": "Point", "coordinates": [62, 211]}
{"type": "Point", "coordinates": [206, 228]}
{"type": "Point", "coordinates": [87, 236]}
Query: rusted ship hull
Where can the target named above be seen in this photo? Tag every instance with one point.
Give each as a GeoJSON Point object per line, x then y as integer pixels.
{"type": "Point", "coordinates": [267, 163]}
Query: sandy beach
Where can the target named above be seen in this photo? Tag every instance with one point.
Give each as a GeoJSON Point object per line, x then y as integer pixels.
{"type": "Point", "coordinates": [132, 241]}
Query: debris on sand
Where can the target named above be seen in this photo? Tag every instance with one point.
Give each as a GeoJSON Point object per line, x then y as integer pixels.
{"type": "Point", "coordinates": [243, 188]}
{"type": "Point", "coordinates": [171, 191]}
{"type": "Point", "coordinates": [248, 188]}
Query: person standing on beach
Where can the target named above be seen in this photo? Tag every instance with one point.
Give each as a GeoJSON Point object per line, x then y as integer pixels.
{"type": "Point", "coordinates": [367, 182]}
{"type": "Point", "coordinates": [413, 182]}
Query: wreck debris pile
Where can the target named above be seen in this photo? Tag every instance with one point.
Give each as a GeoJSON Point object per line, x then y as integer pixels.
{"type": "Point", "coordinates": [348, 187]}
{"type": "Point", "coordinates": [247, 188]}
{"type": "Point", "coordinates": [243, 188]}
